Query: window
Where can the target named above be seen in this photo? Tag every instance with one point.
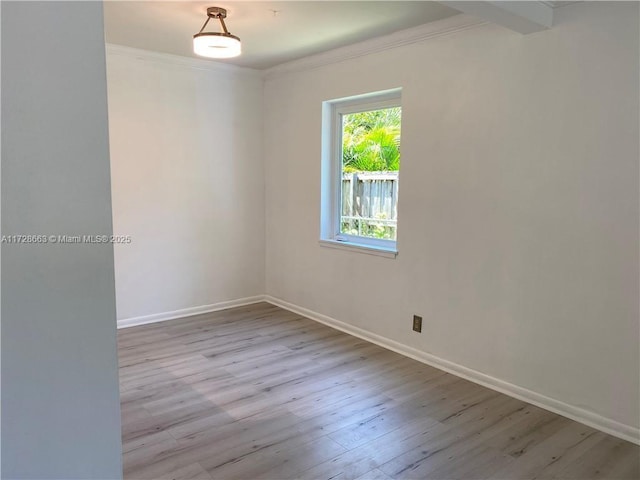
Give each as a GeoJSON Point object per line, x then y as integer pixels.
{"type": "Point", "coordinates": [360, 172]}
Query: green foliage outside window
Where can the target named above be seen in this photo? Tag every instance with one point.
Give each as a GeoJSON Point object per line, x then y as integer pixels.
{"type": "Point", "coordinates": [371, 141]}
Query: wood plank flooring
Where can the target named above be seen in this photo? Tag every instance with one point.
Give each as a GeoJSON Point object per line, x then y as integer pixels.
{"type": "Point", "coordinates": [258, 392]}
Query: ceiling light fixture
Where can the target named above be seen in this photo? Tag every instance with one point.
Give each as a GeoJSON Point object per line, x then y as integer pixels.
{"type": "Point", "coordinates": [216, 44]}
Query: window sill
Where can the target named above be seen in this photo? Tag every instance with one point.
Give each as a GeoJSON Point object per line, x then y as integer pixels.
{"type": "Point", "coordinates": [359, 248]}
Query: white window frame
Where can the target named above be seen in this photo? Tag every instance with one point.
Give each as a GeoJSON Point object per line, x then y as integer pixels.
{"type": "Point", "coordinates": [331, 194]}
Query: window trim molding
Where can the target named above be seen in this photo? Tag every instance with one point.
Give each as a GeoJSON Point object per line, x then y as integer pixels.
{"type": "Point", "coordinates": [331, 173]}
{"type": "Point", "coordinates": [359, 248]}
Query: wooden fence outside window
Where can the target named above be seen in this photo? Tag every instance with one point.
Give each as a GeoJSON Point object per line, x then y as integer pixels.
{"type": "Point", "coordinates": [370, 204]}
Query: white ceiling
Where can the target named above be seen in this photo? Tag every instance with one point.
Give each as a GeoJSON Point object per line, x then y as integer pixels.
{"type": "Point", "coordinates": [295, 30]}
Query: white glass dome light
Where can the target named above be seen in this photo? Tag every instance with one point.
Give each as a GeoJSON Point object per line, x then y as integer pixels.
{"type": "Point", "coordinates": [216, 44]}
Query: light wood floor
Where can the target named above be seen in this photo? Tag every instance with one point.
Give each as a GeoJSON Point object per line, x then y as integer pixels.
{"type": "Point", "coordinates": [260, 393]}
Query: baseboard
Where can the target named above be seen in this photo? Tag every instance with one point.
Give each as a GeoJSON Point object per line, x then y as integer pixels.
{"type": "Point", "coordinates": [607, 425]}
{"type": "Point", "coordinates": [188, 312]}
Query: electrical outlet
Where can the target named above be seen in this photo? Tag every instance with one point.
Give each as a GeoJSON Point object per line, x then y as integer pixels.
{"type": "Point", "coordinates": [417, 323]}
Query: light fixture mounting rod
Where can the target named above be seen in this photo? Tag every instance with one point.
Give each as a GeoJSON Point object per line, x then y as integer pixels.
{"type": "Point", "coordinates": [217, 12]}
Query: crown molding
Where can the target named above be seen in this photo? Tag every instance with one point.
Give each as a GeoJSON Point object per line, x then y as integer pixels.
{"type": "Point", "coordinates": [178, 60]}
{"type": "Point", "coordinates": [447, 26]}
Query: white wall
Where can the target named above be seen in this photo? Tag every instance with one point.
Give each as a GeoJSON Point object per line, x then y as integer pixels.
{"type": "Point", "coordinates": [188, 182]}
{"type": "Point", "coordinates": [60, 405]}
{"type": "Point", "coordinates": [518, 214]}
